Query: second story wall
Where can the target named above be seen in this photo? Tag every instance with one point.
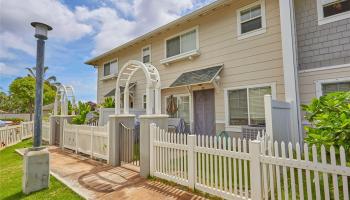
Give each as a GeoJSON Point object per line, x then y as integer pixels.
{"type": "Point", "coordinates": [320, 45]}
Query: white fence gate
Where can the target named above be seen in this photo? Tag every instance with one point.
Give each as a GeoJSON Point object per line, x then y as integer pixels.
{"type": "Point", "coordinates": [45, 134]}
{"type": "Point", "coordinates": [240, 169]}
{"type": "Point", "coordinates": [91, 140]}
{"type": "Point", "coordinates": [10, 135]}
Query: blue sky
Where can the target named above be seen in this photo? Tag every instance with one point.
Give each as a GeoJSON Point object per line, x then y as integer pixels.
{"type": "Point", "coordinates": [82, 29]}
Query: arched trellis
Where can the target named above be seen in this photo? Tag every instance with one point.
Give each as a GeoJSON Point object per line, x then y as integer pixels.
{"type": "Point", "coordinates": [152, 86]}
{"type": "Point", "coordinates": [63, 95]}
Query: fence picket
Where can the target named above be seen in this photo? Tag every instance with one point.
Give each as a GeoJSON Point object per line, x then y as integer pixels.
{"type": "Point", "coordinates": [279, 192]}
{"type": "Point", "coordinates": [211, 163]}
{"type": "Point", "coordinates": [265, 178]}
{"type": "Point", "coordinates": [240, 171]}
{"type": "Point", "coordinates": [203, 161]}
{"type": "Point", "coordinates": [234, 167]}
{"type": "Point", "coordinates": [300, 173]}
{"type": "Point", "coordinates": [307, 172]}
{"type": "Point", "coordinates": [334, 176]}
{"type": "Point", "coordinates": [292, 177]}
{"type": "Point", "coordinates": [316, 177]}
{"type": "Point", "coordinates": [225, 164]}
{"type": "Point", "coordinates": [207, 161]}
{"type": "Point", "coordinates": [325, 175]}
{"type": "Point", "coordinates": [229, 166]}
{"type": "Point", "coordinates": [246, 179]}
{"type": "Point", "coordinates": [344, 178]}
{"type": "Point", "coordinates": [271, 173]}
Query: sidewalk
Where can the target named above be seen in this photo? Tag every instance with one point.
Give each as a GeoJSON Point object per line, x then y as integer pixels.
{"type": "Point", "coordinates": [94, 180]}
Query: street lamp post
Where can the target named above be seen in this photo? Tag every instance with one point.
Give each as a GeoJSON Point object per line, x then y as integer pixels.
{"type": "Point", "coordinates": [41, 34]}
{"type": "Point", "coordinates": [36, 160]}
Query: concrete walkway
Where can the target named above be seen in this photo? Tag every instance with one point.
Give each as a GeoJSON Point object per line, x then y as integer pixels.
{"type": "Point", "coordinates": [94, 180]}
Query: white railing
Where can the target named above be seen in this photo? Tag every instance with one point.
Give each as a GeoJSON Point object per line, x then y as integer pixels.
{"type": "Point", "coordinates": [45, 131]}
{"type": "Point", "coordinates": [10, 135]}
{"type": "Point", "coordinates": [240, 169]}
{"type": "Point", "coordinates": [91, 140]}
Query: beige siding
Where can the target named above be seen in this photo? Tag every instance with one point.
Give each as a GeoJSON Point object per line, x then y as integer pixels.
{"type": "Point", "coordinates": [255, 60]}
{"type": "Point", "coordinates": [307, 81]}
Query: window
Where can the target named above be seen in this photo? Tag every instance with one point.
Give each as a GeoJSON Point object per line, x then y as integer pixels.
{"type": "Point", "coordinates": [146, 54]}
{"type": "Point", "coordinates": [183, 107]}
{"type": "Point", "coordinates": [251, 20]}
{"type": "Point", "coordinates": [332, 10]}
{"type": "Point", "coordinates": [144, 100]}
{"type": "Point", "coordinates": [335, 87]}
{"type": "Point", "coordinates": [246, 106]}
{"type": "Point", "coordinates": [182, 43]}
{"type": "Point", "coordinates": [110, 68]}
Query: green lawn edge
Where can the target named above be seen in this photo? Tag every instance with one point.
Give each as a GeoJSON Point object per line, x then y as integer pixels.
{"type": "Point", "coordinates": [11, 171]}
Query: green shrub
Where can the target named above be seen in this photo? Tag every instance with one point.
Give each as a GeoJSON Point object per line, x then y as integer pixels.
{"type": "Point", "coordinates": [81, 112]}
{"type": "Point", "coordinates": [108, 103]}
{"type": "Point", "coordinates": [330, 120]}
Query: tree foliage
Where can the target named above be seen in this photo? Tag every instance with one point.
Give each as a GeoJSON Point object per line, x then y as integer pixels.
{"type": "Point", "coordinates": [108, 103]}
{"type": "Point", "coordinates": [81, 112]}
{"type": "Point", "coordinates": [330, 120]}
{"type": "Point", "coordinates": [22, 94]}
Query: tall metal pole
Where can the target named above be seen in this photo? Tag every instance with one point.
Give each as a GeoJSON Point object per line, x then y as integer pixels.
{"type": "Point", "coordinates": [39, 92]}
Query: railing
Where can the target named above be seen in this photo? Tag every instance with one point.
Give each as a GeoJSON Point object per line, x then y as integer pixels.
{"type": "Point", "coordinates": [240, 169]}
{"type": "Point", "coordinates": [10, 135]}
{"type": "Point", "coordinates": [91, 140]}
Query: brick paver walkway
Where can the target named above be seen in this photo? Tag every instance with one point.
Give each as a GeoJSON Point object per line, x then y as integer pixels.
{"type": "Point", "coordinates": [94, 180]}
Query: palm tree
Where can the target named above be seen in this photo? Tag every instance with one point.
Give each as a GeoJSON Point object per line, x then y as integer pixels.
{"type": "Point", "coordinates": [52, 80]}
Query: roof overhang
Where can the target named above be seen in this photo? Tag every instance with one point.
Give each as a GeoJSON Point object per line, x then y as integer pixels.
{"type": "Point", "coordinates": [197, 77]}
{"type": "Point", "coordinates": [197, 13]}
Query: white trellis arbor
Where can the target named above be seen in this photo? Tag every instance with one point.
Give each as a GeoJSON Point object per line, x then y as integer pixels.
{"type": "Point", "coordinates": [153, 95]}
{"type": "Point", "coordinates": [63, 95]}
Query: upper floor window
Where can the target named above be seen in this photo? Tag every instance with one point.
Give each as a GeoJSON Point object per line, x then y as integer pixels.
{"type": "Point", "coordinates": [110, 68]}
{"type": "Point", "coordinates": [146, 54]}
{"type": "Point", "coordinates": [182, 43]}
{"type": "Point", "coordinates": [332, 10]}
{"type": "Point", "coordinates": [251, 20]}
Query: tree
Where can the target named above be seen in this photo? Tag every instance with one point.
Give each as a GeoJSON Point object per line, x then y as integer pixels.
{"type": "Point", "coordinates": [52, 80]}
{"type": "Point", "coordinates": [22, 92]}
{"type": "Point", "coordinates": [330, 120]}
{"type": "Point", "coordinates": [108, 103]}
{"type": "Point", "coordinates": [81, 111]}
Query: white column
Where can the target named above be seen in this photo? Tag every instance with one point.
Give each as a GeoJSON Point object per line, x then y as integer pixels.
{"type": "Point", "coordinates": [290, 65]}
{"type": "Point", "coordinates": [255, 175]}
{"type": "Point", "coordinates": [149, 98]}
{"type": "Point", "coordinates": [126, 99]}
{"type": "Point", "coordinates": [158, 99]}
{"type": "Point", "coordinates": [117, 99]}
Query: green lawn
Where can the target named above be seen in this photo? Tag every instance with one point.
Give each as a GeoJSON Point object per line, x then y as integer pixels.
{"type": "Point", "coordinates": [11, 179]}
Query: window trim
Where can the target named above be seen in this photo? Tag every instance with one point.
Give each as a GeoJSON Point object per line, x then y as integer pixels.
{"type": "Point", "coordinates": [240, 35]}
{"type": "Point", "coordinates": [189, 95]}
{"type": "Point", "coordinates": [110, 75]}
{"type": "Point", "coordinates": [180, 56]}
{"type": "Point", "coordinates": [238, 128]}
{"type": "Point", "coordinates": [325, 20]}
{"type": "Point", "coordinates": [150, 53]}
{"type": "Point", "coordinates": [319, 84]}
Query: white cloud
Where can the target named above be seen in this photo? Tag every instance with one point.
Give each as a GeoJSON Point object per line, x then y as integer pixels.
{"type": "Point", "coordinates": [130, 19]}
{"type": "Point", "coordinates": [6, 70]}
{"type": "Point", "coordinates": [16, 16]}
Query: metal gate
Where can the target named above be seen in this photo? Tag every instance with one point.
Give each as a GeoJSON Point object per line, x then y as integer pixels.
{"type": "Point", "coordinates": [129, 146]}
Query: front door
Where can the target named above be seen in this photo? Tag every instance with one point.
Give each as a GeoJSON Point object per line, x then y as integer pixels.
{"type": "Point", "coordinates": [204, 112]}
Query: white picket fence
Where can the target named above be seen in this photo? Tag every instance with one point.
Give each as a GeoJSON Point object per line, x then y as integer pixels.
{"type": "Point", "coordinates": [10, 135]}
{"type": "Point", "coordinates": [91, 140]}
{"type": "Point", "coordinates": [240, 169]}
{"type": "Point", "coordinates": [45, 134]}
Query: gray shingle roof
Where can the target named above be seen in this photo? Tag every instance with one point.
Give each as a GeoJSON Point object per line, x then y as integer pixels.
{"type": "Point", "coordinates": [197, 77]}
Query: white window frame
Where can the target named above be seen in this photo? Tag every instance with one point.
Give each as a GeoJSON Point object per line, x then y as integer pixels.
{"type": "Point", "coordinates": [111, 75]}
{"type": "Point", "coordinates": [182, 55]}
{"type": "Point", "coordinates": [325, 20]}
{"type": "Point", "coordinates": [189, 95]}
{"type": "Point", "coordinates": [238, 128]}
{"type": "Point", "coordinates": [319, 84]}
{"type": "Point", "coordinates": [240, 35]}
{"type": "Point", "coordinates": [150, 53]}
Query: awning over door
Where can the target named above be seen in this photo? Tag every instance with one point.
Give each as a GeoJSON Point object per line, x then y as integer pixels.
{"type": "Point", "coordinates": [112, 92]}
{"type": "Point", "coordinates": [196, 77]}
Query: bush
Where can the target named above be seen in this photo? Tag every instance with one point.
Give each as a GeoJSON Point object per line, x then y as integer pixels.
{"type": "Point", "coordinates": [108, 103]}
{"type": "Point", "coordinates": [330, 120]}
{"type": "Point", "coordinates": [81, 112]}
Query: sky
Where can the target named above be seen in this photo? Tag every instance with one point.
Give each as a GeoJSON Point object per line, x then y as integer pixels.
{"type": "Point", "coordinates": [82, 29]}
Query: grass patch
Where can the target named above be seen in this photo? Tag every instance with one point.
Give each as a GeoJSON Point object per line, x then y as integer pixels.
{"type": "Point", "coordinates": [11, 171]}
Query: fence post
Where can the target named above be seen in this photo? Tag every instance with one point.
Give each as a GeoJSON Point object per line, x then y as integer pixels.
{"type": "Point", "coordinates": [255, 174]}
{"type": "Point", "coordinates": [21, 134]}
{"type": "Point", "coordinates": [191, 142]}
{"type": "Point", "coordinates": [91, 142]}
{"type": "Point", "coordinates": [151, 156]}
{"type": "Point", "coordinates": [76, 139]}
